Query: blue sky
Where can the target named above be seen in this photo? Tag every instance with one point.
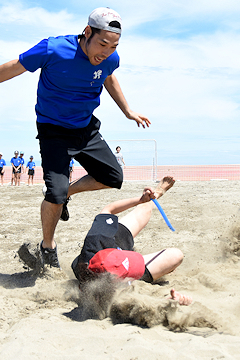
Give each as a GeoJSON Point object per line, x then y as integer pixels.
{"type": "Point", "coordinates": [179, 66]}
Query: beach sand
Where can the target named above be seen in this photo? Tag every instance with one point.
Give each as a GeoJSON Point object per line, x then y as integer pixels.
{"type": "Point", "coordinates": [44, 316]}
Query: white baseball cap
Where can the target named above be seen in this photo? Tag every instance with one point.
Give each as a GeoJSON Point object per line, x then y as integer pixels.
{"type": "Point", "coordinates": [101, 18]}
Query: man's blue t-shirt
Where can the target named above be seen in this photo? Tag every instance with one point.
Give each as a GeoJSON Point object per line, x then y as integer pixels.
{"type": "Point", "coordinates": [2, 163]}
{"type": "Point", "coordinates": [22, 160]}
{"type": "Point", "coordinates": [69, 86]}
{"type": "Point", "coordinates": [31, 165]}
{"type": "Point", "coordinates": [15, 161]}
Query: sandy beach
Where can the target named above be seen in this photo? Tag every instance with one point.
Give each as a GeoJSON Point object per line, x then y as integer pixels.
{"type": "Point", "coordinates": [41, 314]}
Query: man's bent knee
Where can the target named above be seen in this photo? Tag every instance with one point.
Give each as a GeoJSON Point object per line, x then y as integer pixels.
{"type": "Point", "coordinates": [57, 193]}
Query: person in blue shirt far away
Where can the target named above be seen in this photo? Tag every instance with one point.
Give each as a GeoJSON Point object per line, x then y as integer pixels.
{"type": "Point", "coordinates": [16, 169]}
{"type": "Point", "coordinates": [22, 165]}
{"type": "Point", "coordinates": [2, 166]}
{"type": "Point", "coordinates": [31, 169]}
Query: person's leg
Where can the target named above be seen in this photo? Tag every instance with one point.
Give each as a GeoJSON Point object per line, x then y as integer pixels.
{"type": "Point", "coordinates": [166, 261]}
{"type": "Point", "coordinates": [138, 218]}
{"type": "Point", "coordinates": [28, 180]}
{"type": "Point", "coordinates": [18, 178]}
{"type": "Point", "coordinates": [32, 179]}
{"type": "Point", "coordinates": [86, 183]}
{"type": "Point", "coordinates": [98, 160]}
{"type": "Point", "coordinates": [50, 214]}
{"type": "Point", "coordinates": [55, 165]}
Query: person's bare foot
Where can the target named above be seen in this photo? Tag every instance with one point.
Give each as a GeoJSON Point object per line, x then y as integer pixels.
{"type": "Point", "coordinates": [165, 184]}
{"type": "Point", "coordinates": [182, 299]}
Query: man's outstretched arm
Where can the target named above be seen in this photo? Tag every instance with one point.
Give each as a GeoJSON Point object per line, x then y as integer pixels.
{"type": "Point", "coordinates": [112, 85]}
{"type": "Point", "coordinates": [125, 204]}
{"type": "Point", "coordinates": [11, 69]}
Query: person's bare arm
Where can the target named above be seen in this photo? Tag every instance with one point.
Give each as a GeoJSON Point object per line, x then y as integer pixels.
{"type": "Point", "coordinates": [125, 204]}
{"type": "Point", "coordinates": [112, 86]}
{"type": "Point", "coordinates": [11, 69]}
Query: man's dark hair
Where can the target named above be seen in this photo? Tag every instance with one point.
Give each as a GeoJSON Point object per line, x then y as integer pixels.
{"type": "Point", "coordinates": [115, 24]}
{"type": "Point", "coordinates": [94, 31]}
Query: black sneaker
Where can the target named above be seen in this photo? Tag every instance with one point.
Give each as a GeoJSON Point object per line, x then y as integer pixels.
{"type": "Point", "coordinates": [49, 257]}
{"type": "Point", "coordinates": [65, 214]}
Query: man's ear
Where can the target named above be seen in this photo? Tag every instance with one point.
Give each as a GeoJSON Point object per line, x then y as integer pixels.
{"type": "Point", "coordinates": [87, 32]}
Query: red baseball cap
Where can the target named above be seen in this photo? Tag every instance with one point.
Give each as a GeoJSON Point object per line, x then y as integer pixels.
{"type": "Point", "coordinates": [123, 263]}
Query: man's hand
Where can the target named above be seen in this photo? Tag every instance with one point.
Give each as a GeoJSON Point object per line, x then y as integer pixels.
{"type": "Point", "coordinates": [139, 118]}
{"type": "Point", "coordinates": [148, 194]}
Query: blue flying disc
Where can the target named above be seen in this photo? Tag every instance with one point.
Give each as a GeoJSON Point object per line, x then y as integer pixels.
{"type": "Point", "coordinates": [163, 214]}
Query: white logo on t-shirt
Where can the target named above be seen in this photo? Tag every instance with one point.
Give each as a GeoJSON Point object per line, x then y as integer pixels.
{"type": "Point", "coordinates": [109, 221]}
{"type": "Point", "coordinates": [97, 74]}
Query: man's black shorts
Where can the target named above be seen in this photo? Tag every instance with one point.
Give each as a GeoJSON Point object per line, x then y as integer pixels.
{"type": "Point", "coordinates": [16, 171]}
{"type": "Point", "coordinates": [1, 171]}
{"type": "Point", "coordinates": [58, 145]}
{"type": "Point", "coordinates": [31, 172]}
{"type": "Point", "coordinates": [125, 241]}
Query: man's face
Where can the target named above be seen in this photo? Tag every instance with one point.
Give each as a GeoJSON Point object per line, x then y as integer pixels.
{"type": "Point", "coordinates": [100, 46]}
{"type": "Point", "coordinates": [16, 154]}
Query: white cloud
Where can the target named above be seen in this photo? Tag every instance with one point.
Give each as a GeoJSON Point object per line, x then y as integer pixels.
{"type": "Point", "coordinates": [36, 23]}
{"type": "Point", "coordinates": [185, 86]}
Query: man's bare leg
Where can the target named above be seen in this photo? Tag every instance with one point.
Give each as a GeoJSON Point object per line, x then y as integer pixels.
{"type": "Point", "coordinates": [164, 263]}
{"type": "Point", "coordinates": [138, 218]}
{"type": "Point", "coordinates": [50, 213]}
{"type": "Point", "coordinates": [86, 183]}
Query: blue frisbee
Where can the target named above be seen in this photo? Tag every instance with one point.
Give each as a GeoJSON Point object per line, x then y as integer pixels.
{"type": "Point", "coordinates": [163, 214]}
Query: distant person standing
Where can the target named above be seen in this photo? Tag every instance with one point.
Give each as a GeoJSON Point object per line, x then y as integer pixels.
{"type": "Point", "coordinates": [31, 169]}
{"type": "Point", "coordinates": [119, 157]}
{"type": "Point", "coordinates": [22, 164]}
{"type": "Point", "coordinates": [71, 169]}
{"type": "Point", "coordinates": [16, 168]}
{"type": "Point", "coordinates": [2, 165]}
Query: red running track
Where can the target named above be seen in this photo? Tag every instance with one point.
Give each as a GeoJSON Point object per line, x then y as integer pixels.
{"type": "Point", "coordinates": [150, 173]}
